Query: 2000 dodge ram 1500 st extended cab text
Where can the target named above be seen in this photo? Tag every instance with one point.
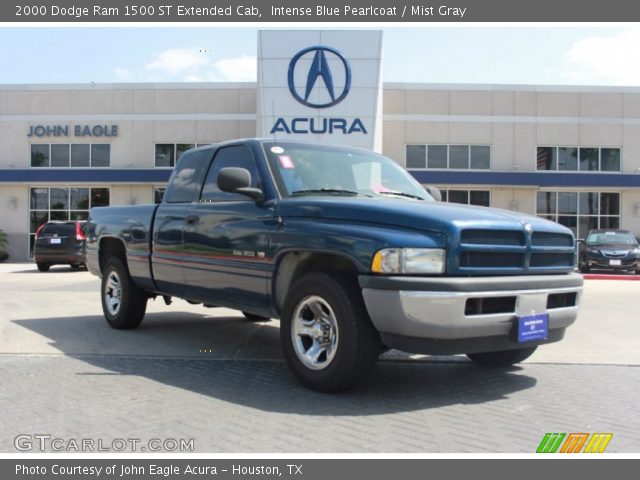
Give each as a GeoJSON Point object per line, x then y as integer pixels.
{"type": "Point", "coordinates": [347, 250]}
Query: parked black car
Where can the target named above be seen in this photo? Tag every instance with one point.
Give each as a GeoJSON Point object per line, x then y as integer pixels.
{"type": "Point", "coordinates": [60, 243]}
{"type": "Point", "coordinates": [615, 250]}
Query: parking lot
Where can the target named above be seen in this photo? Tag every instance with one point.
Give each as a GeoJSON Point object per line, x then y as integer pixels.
{"type": "Point", "coordinates": [208, 375]}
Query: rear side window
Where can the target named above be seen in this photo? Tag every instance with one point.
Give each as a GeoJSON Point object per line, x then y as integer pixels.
{"type": "Point", "coordinates": [59, 229]}
{"type": "Point", "coordinates": [234, 156]}
{"type": "Point", "coordinates": [185, 183]}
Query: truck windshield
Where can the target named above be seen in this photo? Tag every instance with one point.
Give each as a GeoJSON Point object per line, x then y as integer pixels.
{"type": "Point", "coordinates": [307, 169]}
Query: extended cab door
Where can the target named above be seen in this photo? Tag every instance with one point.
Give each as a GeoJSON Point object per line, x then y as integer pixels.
{"type": "Point", "coordinates": [167, 255]}
{"type": "Point", "coordinates": [227, 237]}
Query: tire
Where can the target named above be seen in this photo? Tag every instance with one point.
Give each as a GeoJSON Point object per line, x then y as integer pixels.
{"type": "Point", "coordinates": [505, 358]}
{"type": "Point", "coordinates": [584, 269]}
{"type": "Point", "coordinates": [43, 267]}
{"type": "Point", "coordinates": [128, 312]}
{"type": "Point", "coordinates": [347, 344]}
{"type": "Point", "coordinates": [75, 266]}
{"type": "Point", "coordinates": [255, 318]}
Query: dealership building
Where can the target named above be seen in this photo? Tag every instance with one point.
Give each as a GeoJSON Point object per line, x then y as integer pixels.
{"type": "Point", "coordinates": [569, 154]}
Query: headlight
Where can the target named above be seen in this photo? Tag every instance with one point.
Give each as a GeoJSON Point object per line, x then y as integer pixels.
{"type": "Point", "coordinates": [409, 260]}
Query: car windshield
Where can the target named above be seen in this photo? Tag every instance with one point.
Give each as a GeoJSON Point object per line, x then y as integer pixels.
{"type": "Point", "coordinates": [306, 169]}
{"type": "Point", "coordinates": [617, 238]}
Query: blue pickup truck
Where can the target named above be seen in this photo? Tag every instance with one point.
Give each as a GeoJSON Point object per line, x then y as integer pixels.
{"type": "Point", "coordinates": [347, 250]}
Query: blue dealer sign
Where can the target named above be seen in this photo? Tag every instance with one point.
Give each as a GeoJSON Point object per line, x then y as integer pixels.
{"type": "Point", "coordinates": [319, 72]}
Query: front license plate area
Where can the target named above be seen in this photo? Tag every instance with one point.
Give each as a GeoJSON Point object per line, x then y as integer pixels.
{"type": "Point", "coordinates": [533, 327]}
{"type": "Point", "coordinates": [615, 263]}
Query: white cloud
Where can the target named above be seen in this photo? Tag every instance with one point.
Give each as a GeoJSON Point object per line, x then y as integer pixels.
{"type": "Point", "coordinates": [191, 65]}
{"type": "Point", "coordinates": [178, 60]}
{"type": "Point", "coordinates": [610, 60]}
{"type": "Point", "coordinates": [122, 73]}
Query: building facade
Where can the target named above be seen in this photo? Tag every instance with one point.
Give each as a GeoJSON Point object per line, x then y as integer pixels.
{"type": "Point", "coordinates": [569, 154]}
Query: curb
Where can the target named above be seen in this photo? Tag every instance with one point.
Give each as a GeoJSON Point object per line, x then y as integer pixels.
{"type": "Point", "coordinates": [602, 276]}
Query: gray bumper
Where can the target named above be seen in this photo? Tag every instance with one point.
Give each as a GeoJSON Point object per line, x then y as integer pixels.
{"type": "Point", "coordinates": [406, 310]}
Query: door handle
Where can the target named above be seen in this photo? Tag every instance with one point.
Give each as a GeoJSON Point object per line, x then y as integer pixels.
{"type": "Point", "coordinates": [192, 219]}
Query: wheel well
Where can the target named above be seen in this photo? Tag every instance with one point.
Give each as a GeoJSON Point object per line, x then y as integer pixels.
{"type": "Point", "coordinates": [295, 264]}
{"type": "Point", "coordinates": [109, 248]}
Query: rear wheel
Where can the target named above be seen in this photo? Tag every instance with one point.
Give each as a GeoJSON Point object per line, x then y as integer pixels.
{"type": "Point", "coordinates": [328, 339]}
{"type": "Point", "coordinates": [43, 267]}
{"type": "Point", "coordinates": [584, 269]}
{"type": "Point", "coordinates": [123, 303]}
{"type": "Point", "coordinates": [255, 318]}
{"type": "Point", "coordinates": [505, 358]}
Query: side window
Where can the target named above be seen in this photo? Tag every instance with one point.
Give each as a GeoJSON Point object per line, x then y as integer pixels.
{"type": "Point", "coordinates": [187, 177]}
{"type": "Point", "coordinates": [234, 156]}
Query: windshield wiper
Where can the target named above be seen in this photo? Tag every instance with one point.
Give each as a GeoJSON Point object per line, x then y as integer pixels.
{"type": "Point", "coordinates": [400, 194]}
{"type": "Point", "coordinates": [328, 190]}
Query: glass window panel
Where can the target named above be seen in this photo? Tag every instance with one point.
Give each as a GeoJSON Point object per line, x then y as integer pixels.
{"type": "Point", "coordinates": [234, 156]}
{"type": "Point", "coordinates": [480, 157]}
{"type": "Point", "coordinates": [62, 215]}
{"type": "Point", "coordinates": [59, 199]}
{"type": "Point", "coordinates": [445, 195]}
{"type": "Point", "coordinates": [39, 199]}
{"type": "Point", "coordinates": [80, 155]}
{"type": "Point", "coordinates": [187, 179]}
{"type": "Point", "coordinates": [416, 156]}
{"type": "Point", "coordinates": [546, 158]}
{"type": "Point", "coordinates": [546, 203]}
{"type": "Point", "coordinates": [437, 156]}
{"type": "Point", "coordinates": [479, 197]}
{"type": "Point", "coordinates": [569, 222]}
{"type": "Point", "coordinates": [39, 155]}
{"type": "Point", "coordinates": [610, 159]}
{"type": "Point", "coordinates": [181, 148]}
{"type": "Point", "coordinates": [459, 196]}
{"type": "Point", "coordinates": [100, 155]}
{"type": "Point", "coordinates": [548, 217]}
{"type": "Point", "coordinates": [585, 224]}
{"type": "Point", "coordinates": [459, 156]}
{"type": "Point", "coordinates": [36, 219]}
{"type": "Point", "coordinates": [99, 197]}
{"type": "Point", "coordinates": [568, 158]}
{"type": "Point", "coordinates": [165, 155]}
{"type": "Point", "coordinates": [610, 222]}
{"type": "Point", "coordinates": [609, 204]}
{"type": "Point", "coordinates": [568, 202]}
{"type": "Point", "coordinates": [588, 203]}
{"type": "Point", "coordinates": [589, 159]}
{"type": "Point", "coordinates": [202, 144]}
{"type": "Point", "coordinates": [80, 199]}
{"type": "Point", "coordinates": [79, 215]}
{"type": "Point", "coordinates": [60, 155]}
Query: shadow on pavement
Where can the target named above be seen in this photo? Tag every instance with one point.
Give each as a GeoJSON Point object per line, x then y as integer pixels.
{"type": "Point", "coordinates": [248, 369]}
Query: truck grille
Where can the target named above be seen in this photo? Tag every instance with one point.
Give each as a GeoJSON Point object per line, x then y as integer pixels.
{"type": "Point", "coordinates": [515, 251]}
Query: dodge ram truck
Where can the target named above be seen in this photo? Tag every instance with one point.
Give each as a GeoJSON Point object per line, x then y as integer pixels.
{"type": "Point", "coordinates": [347, 250]}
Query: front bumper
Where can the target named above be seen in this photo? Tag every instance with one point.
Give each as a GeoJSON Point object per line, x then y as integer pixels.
{"type": "Point", "coordinates": [446, 315]}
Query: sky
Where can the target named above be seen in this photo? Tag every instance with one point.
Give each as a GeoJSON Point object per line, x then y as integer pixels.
{"type": "Point", "coordinates": [542, 55]}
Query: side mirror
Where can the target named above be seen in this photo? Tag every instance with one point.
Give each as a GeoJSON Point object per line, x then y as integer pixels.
{"type": "Point", "coordinates": [434, 192]}
{"type": "Point", "coordinates": [238, 180]}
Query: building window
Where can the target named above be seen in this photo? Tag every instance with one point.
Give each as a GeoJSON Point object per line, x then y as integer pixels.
{"type": "Point", "coordinates": [578, 159]}
{"type": "Point", "coordinates": [168, 154]}
{"type": "Point", "coordinates": [54, 203]}
{"type": "Point", "coordinates": [580, 211]}
{"type": "Point", "coordinates": [64, 155]}
{"type": "Point", "coordinates": [481, 198]}
{"type": "Point", "coordinates": [454, 157]}
{"type": "Point", "coordinates": [158, 194]}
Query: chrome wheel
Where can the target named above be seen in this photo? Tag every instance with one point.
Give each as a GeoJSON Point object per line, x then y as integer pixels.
{"type": "Point", "coordinates": [314, 332]}
{"type": "Point", "coordinates": [113, 293]}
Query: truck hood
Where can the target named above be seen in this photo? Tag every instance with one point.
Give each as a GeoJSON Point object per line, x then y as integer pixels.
{"type": "Point", "coordinates": [417, 215]}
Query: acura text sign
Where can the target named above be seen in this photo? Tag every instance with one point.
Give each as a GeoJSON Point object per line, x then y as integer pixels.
{"type": "Point", "coordinates": [321, 86]}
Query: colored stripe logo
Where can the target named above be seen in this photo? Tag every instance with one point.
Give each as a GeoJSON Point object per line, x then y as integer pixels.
{"type": "Point", "coordinates": [574, 442]}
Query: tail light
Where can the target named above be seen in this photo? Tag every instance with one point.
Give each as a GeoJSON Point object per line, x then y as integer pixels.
{"type": "Point", "coordinates": [39, 230]}
{"type": "Point", "coordinates": [79, 233]}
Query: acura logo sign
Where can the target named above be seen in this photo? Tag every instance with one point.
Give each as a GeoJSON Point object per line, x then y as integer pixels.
{"type": "Point", "coordinates": [319, 75]}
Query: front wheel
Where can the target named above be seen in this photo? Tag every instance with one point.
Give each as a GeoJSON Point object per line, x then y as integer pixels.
{"type": "Point", "coordinates": [43, 267]}
{"type": "Point", "coordinates": [123, 303]}
{"type": "Point", "coordinates": [327, 337]}
{"type": "Point", "coordinates": [504, 358]}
